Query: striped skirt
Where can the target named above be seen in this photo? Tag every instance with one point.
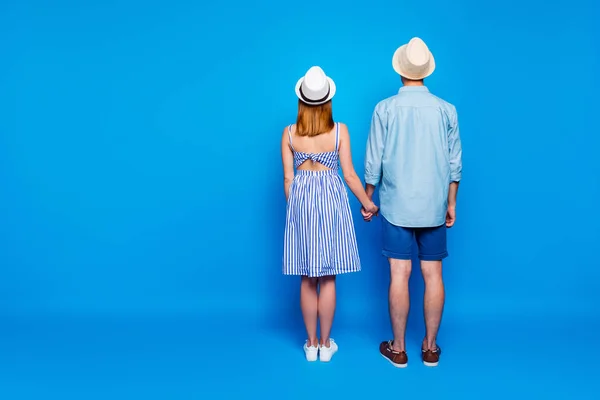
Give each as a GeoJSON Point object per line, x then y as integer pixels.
{"type": "Point", "coordinates": [319, 237]}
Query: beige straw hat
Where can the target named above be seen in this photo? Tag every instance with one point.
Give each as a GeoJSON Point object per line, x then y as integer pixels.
{"type": "Point", "coordinates": [414, 60]}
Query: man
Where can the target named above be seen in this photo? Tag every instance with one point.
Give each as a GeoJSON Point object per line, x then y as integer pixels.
{"type": "Point", "coordinates": [414, 156]}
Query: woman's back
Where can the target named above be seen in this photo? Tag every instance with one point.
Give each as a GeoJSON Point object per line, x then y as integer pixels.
{"type": "Point", "coordinates": [319, 237]}
{"type": "Point", "coordinates": [315, 153]}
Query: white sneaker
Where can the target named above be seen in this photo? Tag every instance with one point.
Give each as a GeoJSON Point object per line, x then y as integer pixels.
{"type": "Point", "coordinates": [326, 353]}
{"type": "Point", "coordinates": [310, 352]}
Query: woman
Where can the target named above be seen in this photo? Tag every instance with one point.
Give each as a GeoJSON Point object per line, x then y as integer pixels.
{"type": "Point", "coordinates": [320, 241]}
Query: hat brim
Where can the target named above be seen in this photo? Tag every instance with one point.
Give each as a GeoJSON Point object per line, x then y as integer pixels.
{"type": "Point", "coordinates": [332, 89]}
{"type": "Point", "coordinates": [399, 68]}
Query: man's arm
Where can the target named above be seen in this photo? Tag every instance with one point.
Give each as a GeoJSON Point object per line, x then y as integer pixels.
{"type": "Point", "coordinates": [373, 158]}
{"type": "Point", "coordinates": [370, 189]}
{"type": "Point", "coordinates": [455, 149]}
{"type": "Point", "coordinates": [452, 193]}
{"type": "Point", "coordinates": [374, 153]}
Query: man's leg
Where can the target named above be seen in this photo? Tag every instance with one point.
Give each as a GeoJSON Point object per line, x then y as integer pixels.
{"type": "Point", "coordinates": [433, 301]}
{"type": "Point", "coordinates": [397, 247]}
{"type": "Point", "coordinates": [432, 250]}
{"type": "Point", "coordinates": [399, 301]}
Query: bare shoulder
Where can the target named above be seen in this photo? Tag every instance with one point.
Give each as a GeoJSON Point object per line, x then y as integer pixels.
{"type": "Point", "coordinates": [344, 135]}
{"type": "Point", "coordinates": [343, 129]}
{"type": "Point", "coordinates": [286, 130]}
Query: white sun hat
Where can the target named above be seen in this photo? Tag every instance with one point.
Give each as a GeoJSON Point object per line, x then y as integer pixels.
{"type": "Point", "coordinates": [315, 87]}
{"type": "Point", "coordinates": [414, 60]}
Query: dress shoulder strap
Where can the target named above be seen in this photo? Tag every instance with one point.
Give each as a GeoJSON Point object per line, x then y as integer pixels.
{"type": "Point", "coordinates": [337, 137]}
{"type": "Point", "coordinates": [290, 136]}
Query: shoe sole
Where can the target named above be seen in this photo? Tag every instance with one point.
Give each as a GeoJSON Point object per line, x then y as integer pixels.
{"type": "Point", "coordinates": [393, 363]}
{"type": "Point", "coordinates": [429, 364]}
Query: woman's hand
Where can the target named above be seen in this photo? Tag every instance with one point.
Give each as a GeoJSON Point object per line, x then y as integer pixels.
{"type": "Point", "coordinates": [369, 211]}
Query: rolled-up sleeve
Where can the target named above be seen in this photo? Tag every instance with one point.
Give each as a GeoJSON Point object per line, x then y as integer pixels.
{"type": "Point", "coordinates": [455, 148]}
{"type": "Point", "coordinates": [374, 152]}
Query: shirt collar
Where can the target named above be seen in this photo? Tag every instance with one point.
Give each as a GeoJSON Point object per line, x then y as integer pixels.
{"type": "Point", "coordinates": [413, 89]}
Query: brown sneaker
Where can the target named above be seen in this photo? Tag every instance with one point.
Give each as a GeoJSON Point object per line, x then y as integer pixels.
{"type": "Point", "coordinates": [398, 359]}
{"type": "Point", "coordinates": [431, 358]}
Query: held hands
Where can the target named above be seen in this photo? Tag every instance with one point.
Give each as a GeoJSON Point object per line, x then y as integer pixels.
{"type": "Point", "coordinates": [369, 212]}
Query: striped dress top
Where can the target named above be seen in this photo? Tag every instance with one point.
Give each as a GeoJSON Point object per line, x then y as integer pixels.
{"type": "Point", "coordinates": [319, 238]}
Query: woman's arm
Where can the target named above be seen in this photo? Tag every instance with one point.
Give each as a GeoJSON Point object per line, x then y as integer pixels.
{"type": "Point", "coordinates": [287, 158]}
{"type": "Point", "coordinates": [350, 176]}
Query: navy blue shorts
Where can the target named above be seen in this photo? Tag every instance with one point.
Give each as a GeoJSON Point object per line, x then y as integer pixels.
{"type": "Point", "coordinates": [398, 242]}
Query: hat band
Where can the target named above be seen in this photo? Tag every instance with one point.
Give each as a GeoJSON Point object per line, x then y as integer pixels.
{"type": "Point", "coordinates": [310, 101]}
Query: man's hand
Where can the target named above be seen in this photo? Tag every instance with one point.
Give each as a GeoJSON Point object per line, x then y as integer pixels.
{"type": "Point", "coordinates": [369, 213]}
{"type": "Point", "coordinates": [367, 216]}
{"type": "Point", "coordinates": [450, 216]}
{"type": "Point", "coordinates": [372, 210]}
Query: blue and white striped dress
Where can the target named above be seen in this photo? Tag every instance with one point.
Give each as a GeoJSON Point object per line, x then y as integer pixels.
{"type": "Point", "coordinates": [319, 237]}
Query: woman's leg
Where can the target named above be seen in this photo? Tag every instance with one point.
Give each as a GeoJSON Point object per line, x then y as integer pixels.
{"type": "Point", "coordinates": [309, 305]}
{"type": "Point", "coordinates": [326, 307]}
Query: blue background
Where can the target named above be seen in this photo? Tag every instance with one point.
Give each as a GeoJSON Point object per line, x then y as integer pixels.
{"type": "Point", "coordinates": [142, 207]}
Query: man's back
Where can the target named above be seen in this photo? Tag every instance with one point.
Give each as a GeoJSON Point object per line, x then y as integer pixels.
{"type": "Point", "coordinates": [414, 156]}
{"type": "Point", "coordinates": [414, 153]}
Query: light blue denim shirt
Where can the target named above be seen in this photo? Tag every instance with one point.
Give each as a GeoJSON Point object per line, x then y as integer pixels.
{"type": "Point", "coordinates": [413, 154]}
